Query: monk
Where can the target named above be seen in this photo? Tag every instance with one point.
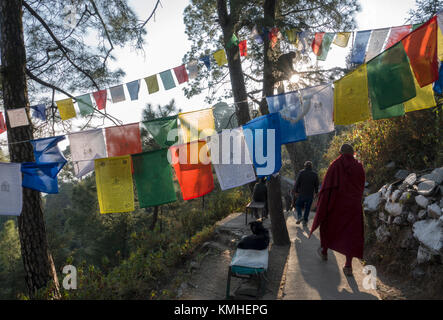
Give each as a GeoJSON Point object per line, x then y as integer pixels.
{"type": "Point", "coordinates": [339, 210]}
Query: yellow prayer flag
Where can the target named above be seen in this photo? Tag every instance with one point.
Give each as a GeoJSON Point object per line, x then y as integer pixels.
{"type": "Point", "coordinates": [439, 44]}
{"type": "Point", "coordinates": [66, 108]}
{"type": "Point", "coordinates": [342, 38]}
{"type": "Point", "coordinates": [292, 35]}
{"type": "Point", "coordinates": [423, 100]}
{"type": "Point", "coordinates": [152, 83]}
{"type": "Point", "coordinates": [351, 103]}
{"type": "Point", "coordinates": [196, 125]}
{"type": "Point", "coordinates": [220, 57]}
{"type": "Point", "coordinates": [115, 191]}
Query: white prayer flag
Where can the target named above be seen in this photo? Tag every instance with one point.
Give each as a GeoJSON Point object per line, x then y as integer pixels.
{"type": "Point", "coordinates": [17, 117]}
{"type": "Point", "coordinates": [117, 94]}
{"type": "Point", "coordinates": [231, 159]}
{"type": "Point", "coordinates": [318, 108]}
{"type": "Point", "coordinates": [11, 200]}
{"type": "Point", "coordinates": [86, 146]}
{"type": "Point", "coordinates": [192, 69]}
{"type": "Point", "coordinates": [376, 43]}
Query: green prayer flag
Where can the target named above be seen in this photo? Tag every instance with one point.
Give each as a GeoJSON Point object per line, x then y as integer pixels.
{"type": "Point", "coordinates": [233, 41]}
{"type": "Point", "coordinates": [416, 26]}
{"type": "Point", "coordinates": [160, 128]}
{"type": "Point", "coordinates": [152, 83]}
{"type": "Point", "coordinates": [153, 178]}
{"type": "Point", "coordinates": [390, 78]}
{"type": "Point", "coordinates": [85, 104]}
{"type": "Point", "coordinates": [393, 111]}
{"type": "Point", "coordinates": [326, 45]}
{"type": "Point", "coordinates": [167, 79]}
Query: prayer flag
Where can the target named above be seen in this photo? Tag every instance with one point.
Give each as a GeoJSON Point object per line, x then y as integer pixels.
{"type": "Point", "coordinates": [133, 89]}
{"type": "Point", "coordinates": [17, 117]}
{"type": "Point", "coordinates": [233, 41]}
{"type": "Point", "coordinates": [421, 48]}
{"type": "Point", "coordinates": [167, 79]}
{"type": "Point", "coordinates": [316, 43]}
{"type": "Point", "coordinates": [440, 35]}
{"type": "Point", "coordinates": [123, 140]}
{"type": "Point", "coordinates": [263, 138]}
{"type": "Point", "coordinates": [390, 79]}
{"type": "Point", "coordinates": [326, 45]}
{"type": "Point", "coordinates": [359, 50]}
{"type": "Point", "coordinates": [161, 128]}
{"type": "Point", "coordinates": [273, 37]}
{"type": "Point", "coordinates": [153, 178]}
{"type": "Point", "coordinates": [342, 39]}
{"type": "Point", "coordinates": [424, 99]}
{"type": "Point", "coordinates": [2, 123]}
{"type": "Point", "coordinates": [10, 189]}
{"type": "Point", "coordinates": [85, 104]}
{"type": "Point", "coordinates": [257, 37]}
{"type": "Point", "coordinates": [394, 111]}
{"type": "Point", "coordinates": [416, 26]}
{"type": "Point", "coordinates": [192, 69]}
{"type": "Point", "coordinates": [291, 35]}
{"type": "Point", "coordinates": [224, 116]}
{"type": "Point", "coordinates": [396, 34]}
{"type": "Point", "coordinates": [66, 109]}
{"type": "Point", "coordinates": [196, 125]}
{"type": "Point", "coordinates": [39, 111]}
{"type": "Point", "coordinates": [233, 168]}
{"type": "Point", "coordinates": [220, 57]}
{"type": "Point", "coordinates": [117, 94]}
{"type": "Point", "coordinates": [438, 86]}
{"type": "Point", "coordinates": [376, 43]}
{"type": "Point", "coordinates": [292, 124]}
{"type": "Point", "coordinates": [88, 145]}
{"type": "Point", "coordinates": [46, 151]}
{"type": "Point", "coordinates": [114, 184]}
{"type": "Point", "coordinates": [181, 74]}
{"type": "Point", "coordinates": [206, 61]}
{"type": "Point", "coordinates": [40, 176]}
{"type": "Point", "coordinates": [152, 84]}
{"type": "Point", "coordinates": [243, 47]}
{"type": "Point", "coordinates": [100, 99]}
{"type": "Point", "coordinates": [193, 169]}
{"type": "Point", "coordinates": [351, 103]}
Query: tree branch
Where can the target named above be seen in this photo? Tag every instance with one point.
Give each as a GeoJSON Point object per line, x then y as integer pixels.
{"type": "Point", "coordinates": [152, 13]}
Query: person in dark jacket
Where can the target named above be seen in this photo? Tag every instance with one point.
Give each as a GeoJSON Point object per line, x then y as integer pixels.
{"type": "Point", "coordinates": [306, 186]}
{"type": "Point", "coordinates": [260, 194]}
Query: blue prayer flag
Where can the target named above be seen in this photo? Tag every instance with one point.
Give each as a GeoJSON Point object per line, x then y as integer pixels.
{"type": "Point", "coordinates": [360, 44]}
{"type": "Point", "coordinates": [438, 85]}
{"type": "Point", "coordinates": [207, 62]}
{"type": "Point", "coordinates": [39, 111]}
{"type": "Point", "coordinates": [40, 176]}
{"type": "Point", "coordinates": [47, 151]}
{"type": "Point", "coordinates": [133, 89]}
{"type": "Point", "coordinates": [167, 79]}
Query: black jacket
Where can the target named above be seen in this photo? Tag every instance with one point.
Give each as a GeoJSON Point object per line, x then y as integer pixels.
{"type": "Point", "coordinates": [306, 183]}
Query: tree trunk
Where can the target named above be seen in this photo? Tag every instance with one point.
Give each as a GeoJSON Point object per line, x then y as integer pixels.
{"type": "Point", "coordinates": [37, 260]}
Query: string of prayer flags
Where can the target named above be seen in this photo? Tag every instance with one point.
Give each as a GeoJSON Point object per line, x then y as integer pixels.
{"type": "Point", "coordinates": [193, 169]}
{"type": "Point", "coordinates": [46, 150]}
{"type": "Point", "coordinates": [390, 79]}
{"type": "Point", "coordinates": [114, 184]}
{"type": "Point", "coordinates": [326, 45]}
{"type": "Point", "coordinates": [2, 123]}
{"type": "Point", "coordinates": [351, 103]}
{"type": "Point", "coordinates": [224, 116]}
{"type": "Point", "coordinates": [39, 111]}
{"type": "Point", "coordinates": [391, 112]}
{"type": "Point", "coordinates": [396, 34]}
{"type": "Point", "coordinates": [243, 47]}
{"type": "Point", "coordinates": [196, 125]}
{"type": "Point", "coordinates": [220, 57]}
{"type": "Point", "coordinates": [292, 126]}
{"type": "Point", "coordinates": [423, 100]}
{"type": "Point", "coordinates": [421, 48]}
{"type": "Point", "coordinates": [316, 43]}
{"type": "Point", "coordinates": [84, 146]}
{"type": "Point", "coordinates": [152, 84]}
{"type": "Point", "coordinates": [85, 104]}
{"type": "Point", "coordinates": [117, 94]}
{"type": "Point", "coordinates": [153, 178]}
{"type": "Point", "coordinates": [10, 189]}
{"type": "Point", "coordinates": [66, 109]}
{"type": "Point", "coordinates": [233, 168]}
{"type": "Point", "coordinates": [263, 138]}
{"type": "Point", "coordinates": [359, 50]}
{"type": "Point", "coordinates": [192, 67]}
{"type": "Point", "coordinates": [342, 39]}
{"type": "Point", "coordinates": [167, 79]}
{"type": "Point", "coordinates": [318, 108]}
{"type": "Point", "coordinates": [123, 140]}
{"type": "Point", "coordinates": [40, 176]}
{"type": "Point", "coordinates": [17, 117]}
{"type": "Point", "coordinates": [206, 61]}
{"type": "Point", "coordinates": [161, 128]}
{"type": "Point", "coordinates": [133, 89]}
{"type": "Point", "coordinates": [181, 74]}
{"type": "Point", "coordinates": [100, 99]}
{"type": "Point", "coordinates": [376, 43]}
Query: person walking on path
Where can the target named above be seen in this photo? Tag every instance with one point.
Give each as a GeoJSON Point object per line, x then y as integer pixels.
{"type": "Point", "coordinates": [306, 185]}
{"type": "Point", "coordinates": [339, 211]}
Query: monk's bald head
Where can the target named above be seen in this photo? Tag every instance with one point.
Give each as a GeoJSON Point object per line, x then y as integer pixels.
{"type": "Point", "coordinates": [346, 149]}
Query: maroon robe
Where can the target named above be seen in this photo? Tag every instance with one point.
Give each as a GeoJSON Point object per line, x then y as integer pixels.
{"type": "Point", "coordinates": [339, 210]}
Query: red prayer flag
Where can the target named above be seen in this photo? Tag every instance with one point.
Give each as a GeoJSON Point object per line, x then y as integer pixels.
{"type": "Point", "coordinates": [123, 140]}
{"type": "Point", "coordinates": [273, 37]}
{"type": "Point", "coordinates": [181, 74]}
{"type": "Point", "coordinates": [421, 48]}
{"type": "Point", "coordinates": [316, 43]}
{"type": "Point", "coordinates": [100, 99]}
{"type": "Point", "coordinates": [397, 33]}
{"type": "Point", "coordinates": [2, 123]}
{"type": "Point", "coordinates": [194, 176]}
{"type": "Point", "coordinates": [242, 46]}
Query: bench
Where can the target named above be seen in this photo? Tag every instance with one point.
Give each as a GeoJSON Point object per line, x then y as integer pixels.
{"type": "Point", "coordinates": [252, 206]}
{"type": "Point", "coordinates": [246, 264]}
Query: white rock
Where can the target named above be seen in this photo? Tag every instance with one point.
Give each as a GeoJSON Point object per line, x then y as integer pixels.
{"type": "Point", "coordinates": [395, 195]}
{"type": "Point", "coordinates": [411, 217]}
{"type": "Point", "coordinates": [430, 233]}
{"type": "Point", "coordinates": [410, 180]}
{"type": "Point", "coordinates": [422, 214]}
{"type": "Point", "coordinates": [426, 187]}
{"type": "Point", "coordinates": [382, 233]}
{"type": "Point", "coordinates": [398, 220]}
{"type": "Point", "coordinates": [436, 175]}
{"type": "Point", "coordinates": [434, 211]}
{"type": "Point", "coordinates": [394, 208]}
{"type": "Point", "coordinates": [372, 202]}
{"type": "Point", "coordinates": [422, 201]}
{"type": "Point", "coordinates": [441, 203]}
{"type": "Point", "coordinates": [405, 196]}
{"type": "Point", "coordinates": [383, 190]}
{"type": "Point", "coordinates": [423, 255]}
{"type": "Point", "coordinates": [382, 216]}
